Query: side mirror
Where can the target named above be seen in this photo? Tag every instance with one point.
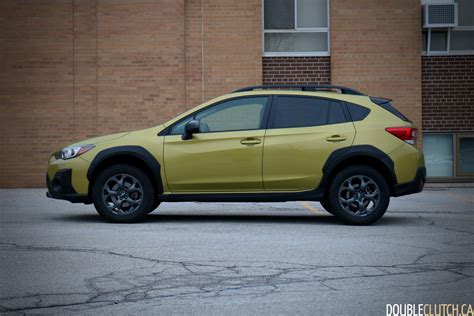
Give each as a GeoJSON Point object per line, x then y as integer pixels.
{"type": "Point", "coordinates": [190, 128]}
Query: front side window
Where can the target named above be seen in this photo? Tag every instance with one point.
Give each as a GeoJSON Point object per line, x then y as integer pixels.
{"type": "Point", "coordinates": [288, 112]}
{"type": "Point", "coordinates": [296, 27]}
{"type": "Point", "coordinates": [233, 115]}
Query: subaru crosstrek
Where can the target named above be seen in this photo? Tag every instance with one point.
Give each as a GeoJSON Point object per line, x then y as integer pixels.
{"type": "Point", "coordinates": [331, 144]}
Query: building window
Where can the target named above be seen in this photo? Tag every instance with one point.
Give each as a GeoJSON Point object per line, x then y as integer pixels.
{"type": "Point", "coordinates": [449, 155]}
{"type": "Point", "coordinates": [296, 27]}
{"type": "Point", "coordinates": [438, 149]}
{"type": "Point", "coordinates": [465, 144]}
{"type": "Point", "coordinates": [451, 41]}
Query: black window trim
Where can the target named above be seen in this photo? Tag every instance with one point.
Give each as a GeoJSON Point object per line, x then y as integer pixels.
{"type": "Point", "coordinates": [263, 123]}
{"type": "Point", "coordinates": [271, 119]}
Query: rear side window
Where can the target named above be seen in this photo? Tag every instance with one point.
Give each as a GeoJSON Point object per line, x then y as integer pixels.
{"type": "Point", "coordinates": [299, 112]}
{"type": "Point", "coordinates": [357, 112]}
{"type": "Point", "coordinates": [384, 103]}
{"type": "Point", "coordinates": [336, 114]}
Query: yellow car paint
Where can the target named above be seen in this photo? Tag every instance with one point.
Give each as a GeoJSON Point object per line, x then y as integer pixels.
{"type": "Point", "coordinates": [214, 162]}
{"type": "Point", "coordinates": [294, 157]}
{"type": "Point", "coordinates": [281, 160]}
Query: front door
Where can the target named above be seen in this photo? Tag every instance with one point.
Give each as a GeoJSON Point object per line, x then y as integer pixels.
{"type": "Point", "coordinates": [225, 156]}
{"type": "Point", "coordinates": [302, 133]}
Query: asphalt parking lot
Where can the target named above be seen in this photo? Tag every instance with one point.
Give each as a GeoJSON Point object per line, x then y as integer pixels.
{"type": "Point", "coordinates": [252, 258]}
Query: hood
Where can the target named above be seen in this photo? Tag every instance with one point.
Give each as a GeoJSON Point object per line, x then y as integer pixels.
{"type": "Point", "coordinates": [97, 140]}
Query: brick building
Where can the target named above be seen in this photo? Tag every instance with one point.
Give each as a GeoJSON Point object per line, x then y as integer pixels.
{"type": "Point", "coordinates": [72, 69]}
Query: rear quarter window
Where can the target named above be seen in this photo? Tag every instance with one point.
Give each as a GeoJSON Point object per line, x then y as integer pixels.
{"type": "Point", "coordinates": [357, 112]}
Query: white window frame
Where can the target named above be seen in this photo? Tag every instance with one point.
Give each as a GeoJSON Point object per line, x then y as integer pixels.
{"type": "Point", "coordinates": [438, 52]}
{"type": "Point", "coordinates": [297, 30]}
{"type": "Point", "coordinates": [461, 52]}
{"type": "Point", "coordinates": [448, 51]}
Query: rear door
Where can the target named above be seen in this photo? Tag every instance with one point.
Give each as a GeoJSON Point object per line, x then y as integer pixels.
{"type": "Point", "coordinates": [302, 133]}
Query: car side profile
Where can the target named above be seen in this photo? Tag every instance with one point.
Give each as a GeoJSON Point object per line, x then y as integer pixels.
{"type": "Point", "coordinates": [331, 144]}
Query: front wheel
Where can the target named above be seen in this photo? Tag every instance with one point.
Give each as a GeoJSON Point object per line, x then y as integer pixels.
{"type": "Point", "coordinates": [123, 193]}
{"type": "Point", "coordinates": [359, 195]}
{"type": "Point", "coordinates": [325, 204]}
{"type": "Point", "coordinates": [155, 205]}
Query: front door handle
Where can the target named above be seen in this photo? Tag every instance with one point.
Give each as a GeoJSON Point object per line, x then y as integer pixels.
{"type": "Point", "coordinates": [250, 141]}
{"type": "Point", "coordinates": [336, 138]}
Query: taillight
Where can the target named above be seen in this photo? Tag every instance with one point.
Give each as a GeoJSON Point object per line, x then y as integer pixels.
{"type": "Point", "coordinates": [407, 134]}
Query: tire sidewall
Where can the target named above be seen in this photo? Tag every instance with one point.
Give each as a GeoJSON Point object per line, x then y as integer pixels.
{"type": "Point", "coordinates": [155, 205]}
{"type": "Point", "coordinates": [325, 204]}
{"type": "Point", "coordinates": [148, 193]}
{"type": "Point", "coordinates": [346, 173]}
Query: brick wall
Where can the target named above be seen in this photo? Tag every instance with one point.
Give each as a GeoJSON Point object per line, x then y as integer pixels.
{"type": "Point", "coordinates": [448, 93]}
{"type": "Point", "coordinates": [78, 68]}
{"type": "Point", "coordinates": [140, 63]}
{"type": "Point", "coordinates": [296, 70]}
{"type": "Point", "coordinates": [377, 49]}
{"type": "Point", "coordinates": [194, 49]}
{"type": "Point", "coordinates": [36, 80]}
{"type": "Point", "coordinates": [232, 45]}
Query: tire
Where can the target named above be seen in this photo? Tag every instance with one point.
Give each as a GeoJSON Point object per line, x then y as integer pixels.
{"type": "Point", "coordinates": [325, 204]}
{"type": "Point", "coordinates": [155, 205]}
{"type": "Point", "coordinates": [355, 205]}
{"type": "Point", "coordinates": [123, 193]}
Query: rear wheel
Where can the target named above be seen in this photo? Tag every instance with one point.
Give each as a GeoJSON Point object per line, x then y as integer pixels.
{"type": "Point", "coordinates": [123, 193]}
{"type": "Point", "coordinates": [359, 195]}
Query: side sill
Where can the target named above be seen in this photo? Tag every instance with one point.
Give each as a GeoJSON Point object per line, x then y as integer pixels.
{"type": "Point", "coordinates": [313, 195]}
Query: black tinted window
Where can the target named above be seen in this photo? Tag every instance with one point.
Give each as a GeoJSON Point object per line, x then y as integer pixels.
{"type": "Point", "coordinates": [336, 114]}
{"type": "Point", "coordinates": [279, 14]}
{"type": "Point", "coordinates": [299, 112]}
{"type": "Point", "coordinates": [358, 113]}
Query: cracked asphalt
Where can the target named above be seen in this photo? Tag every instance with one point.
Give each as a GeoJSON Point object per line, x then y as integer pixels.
{"type": "Point", "coordinates": [234, 258]}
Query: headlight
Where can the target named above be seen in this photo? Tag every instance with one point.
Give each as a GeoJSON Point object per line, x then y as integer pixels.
{"type": "Point", "coordinates": [72, 152]}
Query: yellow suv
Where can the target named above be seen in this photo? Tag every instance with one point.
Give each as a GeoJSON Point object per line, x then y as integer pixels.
{"type": "Point", "coordinates": [331, 144]}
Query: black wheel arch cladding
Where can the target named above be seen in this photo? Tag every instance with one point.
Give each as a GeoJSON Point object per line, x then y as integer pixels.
{"type": "Point", "coordinates": [119, 152]}
{"type": "Point", "coordinates": [341, 155]}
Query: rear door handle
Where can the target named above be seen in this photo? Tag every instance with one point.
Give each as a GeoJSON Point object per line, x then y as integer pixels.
{"type": "Point", "coordinates": [336, 138]}
{"type": "Point", "coordinates": [250, 141]}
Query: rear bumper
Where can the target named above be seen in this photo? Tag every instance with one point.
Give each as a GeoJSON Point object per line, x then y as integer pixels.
{"type": "Point", "coordinates": [414, 186]}
{"type": "Point", "coordinates": [60, 187]}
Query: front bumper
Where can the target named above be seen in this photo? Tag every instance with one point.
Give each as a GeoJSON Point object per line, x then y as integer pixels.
{"type": "Point", "coordinates": [414, 186]}
{"type": "Point", "coordinates": [60, 187]}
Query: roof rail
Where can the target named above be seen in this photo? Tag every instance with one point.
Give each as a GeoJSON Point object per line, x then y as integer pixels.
{"type": "Point", "coordinates": [343, 90]}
